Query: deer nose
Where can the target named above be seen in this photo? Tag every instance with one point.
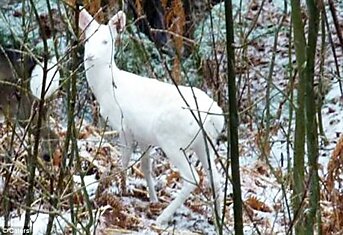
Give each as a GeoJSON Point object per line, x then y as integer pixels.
{"type": "Point", "coordinates": [89, 57]}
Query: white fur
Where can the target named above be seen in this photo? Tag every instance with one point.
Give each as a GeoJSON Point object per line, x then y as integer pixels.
{"type": "Point", "coordinates": [52, 79]}
{"type": "Point", "coordinates": [150, 112]}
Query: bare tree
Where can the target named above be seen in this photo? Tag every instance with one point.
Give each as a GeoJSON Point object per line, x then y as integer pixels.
{"type": "Point", "coordinates": [232, 131]}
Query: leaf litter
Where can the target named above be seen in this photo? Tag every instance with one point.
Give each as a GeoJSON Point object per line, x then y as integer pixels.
{"type": "Point", "coordinates": [120, 199]}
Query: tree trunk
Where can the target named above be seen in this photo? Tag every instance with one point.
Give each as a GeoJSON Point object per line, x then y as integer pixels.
{"type": "Point", "coordinates": [299, 139]}
{"type": "Point", "coordinates": [311, 123]}
{"type": "Point", "coordinates": [233, 121]}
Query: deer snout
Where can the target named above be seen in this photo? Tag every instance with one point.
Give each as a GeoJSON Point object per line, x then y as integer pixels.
{"type": "Point", "coordinates": [89, 57]}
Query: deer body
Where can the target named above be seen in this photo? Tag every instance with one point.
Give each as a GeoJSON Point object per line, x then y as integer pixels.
{"type": "Point", "coordinates": [142, 121]}
{"type": "Point", "coordinates": [151, 112]}
{"type": "Point", "coordinates": [16, 101]}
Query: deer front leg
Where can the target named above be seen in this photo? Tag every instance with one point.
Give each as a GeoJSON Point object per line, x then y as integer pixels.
{"type": "Point", "coordinates": [126, 148]}
{"type": "Point", "coordinates": [146, 166]}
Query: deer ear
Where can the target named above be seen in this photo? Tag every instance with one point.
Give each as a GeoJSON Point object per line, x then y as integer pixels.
{"type": "Point", "coordinates": [118, 21]}
{"type": "Point", "coordinates": [85, 19]}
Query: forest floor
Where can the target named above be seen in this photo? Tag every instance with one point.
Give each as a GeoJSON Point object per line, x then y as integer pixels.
{"type": "Point", "coordinates": [120, 204]}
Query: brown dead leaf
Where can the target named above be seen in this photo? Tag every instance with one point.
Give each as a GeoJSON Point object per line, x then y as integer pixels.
{"type": "Point", "coordinates": [261, 168]}
{"type": "Point", "coordinates": [78, 198]}
{"type": "Point", "coordinates": [335, 165]}
{"type": "Point", "coordinates": [57, 158]}
{"type": "Point", "coordinates": [334, 186]}
{"type": "Point", "coordinates": [104, 151]}
{"type": "Point", "coordinates": [117, 217]}
{"type": "Point", "coordinates": [196, 206]}
{"type": "Point", "coordinates": [262, 142]}
{"type": "Point", "coordinates": [257, 204]}
{"type": "Point", "coordinates": [140, 193]}
{"type": "Point", "coordinates": [173, 177]}
{"type": "Point", "coordinates": [137, 172]}
{"type": "Point", "coordinates": [155, 208]}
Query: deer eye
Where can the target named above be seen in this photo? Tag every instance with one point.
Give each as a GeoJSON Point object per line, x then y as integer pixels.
{"type": "Point", "coordinates": [104, 42]}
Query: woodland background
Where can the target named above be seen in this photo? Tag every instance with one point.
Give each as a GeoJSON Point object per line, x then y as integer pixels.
{"type": "Point", "coordinates": [282, 79]}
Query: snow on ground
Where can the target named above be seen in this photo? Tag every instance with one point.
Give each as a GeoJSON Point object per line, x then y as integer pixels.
{"type": "Point", "coordinates": [264, 186]}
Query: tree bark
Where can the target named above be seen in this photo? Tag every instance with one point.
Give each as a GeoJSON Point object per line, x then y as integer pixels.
{"type": "Point", "coordinates": [233, 121]}
{"type": "Point", "coordinates": [299, 139]}
{"type": "Point", "coordinates": [311, 122]}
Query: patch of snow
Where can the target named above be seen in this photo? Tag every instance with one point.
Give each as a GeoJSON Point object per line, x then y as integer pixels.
{"type": "Point", "coordinates": [40, 223]}
{"type": "Point", "coordinates": [2, 184]}
{"type": "Point", "coordinates": [91, 184]}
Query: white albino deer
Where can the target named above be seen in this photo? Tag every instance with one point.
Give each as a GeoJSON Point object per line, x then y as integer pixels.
{"type": "Point", "coordinates": [151, 112]}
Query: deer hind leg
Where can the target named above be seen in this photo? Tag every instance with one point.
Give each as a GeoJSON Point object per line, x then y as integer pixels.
{"type": "Point", "coordinates": [126, 148]}
{"type": "Point", "coordinates": [146, 165]}
{"type": "Point", "coordinates": [207, 160]}
{"type": "Point", "coordinates": [190, 181]}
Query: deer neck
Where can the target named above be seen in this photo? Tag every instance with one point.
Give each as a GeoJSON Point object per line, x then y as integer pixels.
{"type": "Point", "coordinates": [101, 75]}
